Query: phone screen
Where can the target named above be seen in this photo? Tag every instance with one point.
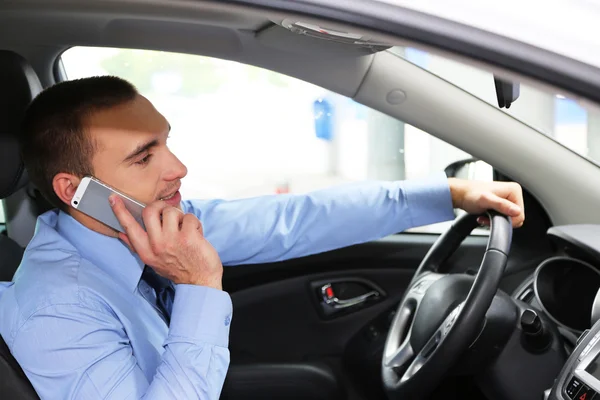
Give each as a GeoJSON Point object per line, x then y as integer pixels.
{"type": "Point", "coordinates": [94, 202]}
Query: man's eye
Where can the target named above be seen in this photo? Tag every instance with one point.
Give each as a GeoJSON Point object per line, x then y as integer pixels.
{"type": "Point", "coordinates": [144, 160]}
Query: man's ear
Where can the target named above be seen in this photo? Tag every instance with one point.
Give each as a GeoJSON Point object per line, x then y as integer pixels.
{"type": "Point", "coordinates": [65, 185]}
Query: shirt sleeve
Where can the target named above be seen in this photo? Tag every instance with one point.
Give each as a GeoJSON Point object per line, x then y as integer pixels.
{"type": "Point", "coordinates": [74, 351]}
{"type": "Point", "coordinates": [278, 227]}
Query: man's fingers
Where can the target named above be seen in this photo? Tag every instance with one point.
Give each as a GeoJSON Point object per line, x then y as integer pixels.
{"type": "Point", "coordinates": [125, 240]}
{"type": "Point", "coordinates": [191, 224]}
{"type": "Point", "coordinates": [171, 220]}
{"type": "Point", "coordinates": [513, 192]}
{"type": "Point", "coordinates": [516, 197]}
{"type": "Point", "coordinates": [485, 221]}
{"type": "Point", "coordinates": [504, 197]}
{"type": "Point", "coordinates": [501, 205]}
{"type": "Point", "coordinates": [504, 206]}
{"type": "Point", "coordinates": [152, 216]}
{"type": "Point", "coordinates": [513, 210]}
{"type": "Point", "coordinates": [125, 218]}
{"type": "Point", "coordinates": [135, 233]}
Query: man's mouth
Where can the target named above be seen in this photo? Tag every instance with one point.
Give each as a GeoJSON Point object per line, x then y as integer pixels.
{"type": "Point", "coordinates": [169, 196]}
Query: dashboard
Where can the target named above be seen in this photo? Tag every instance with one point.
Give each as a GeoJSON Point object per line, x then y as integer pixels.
{"type": "Point", "coordinates": [565, 287]}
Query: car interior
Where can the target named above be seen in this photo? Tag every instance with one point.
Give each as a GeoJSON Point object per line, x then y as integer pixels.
{"type": "Point", "coordinates": [317, 328]}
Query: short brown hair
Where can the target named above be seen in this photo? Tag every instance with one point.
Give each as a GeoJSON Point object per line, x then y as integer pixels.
{"type": "Point", "coordinates": [54, 137]}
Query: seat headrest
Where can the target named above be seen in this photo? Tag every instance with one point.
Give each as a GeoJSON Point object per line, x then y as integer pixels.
{"type": "Point", "coordinates": [19, 85]}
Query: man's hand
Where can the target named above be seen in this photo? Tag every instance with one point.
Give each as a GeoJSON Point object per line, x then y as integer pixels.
{"type": "Point", "coordinates": [476, 197]}
{"type": "Point", "coordinates": [174, 244]}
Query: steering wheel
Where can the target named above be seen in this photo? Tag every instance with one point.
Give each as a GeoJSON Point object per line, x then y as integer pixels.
{"type": "Point", "coordinates": [441, 315]}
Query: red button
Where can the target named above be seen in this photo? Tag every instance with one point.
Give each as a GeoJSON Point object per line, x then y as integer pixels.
{"type": "Point", "coordinates": [586, 393]}
{"type": "Point", "coordinates": [329, 292]}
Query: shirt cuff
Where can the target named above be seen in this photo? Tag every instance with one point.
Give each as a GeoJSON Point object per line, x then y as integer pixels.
{"type": "Point", "coordinates": [200, 314]}
{"type": "Point", "coordinates": [429, 200]}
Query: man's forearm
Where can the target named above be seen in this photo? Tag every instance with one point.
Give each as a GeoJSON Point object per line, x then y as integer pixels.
{"type": "Point", "coordinates": [198, 375]}
{"type": "Point", "coordinates": [196, 356]}
{"type": "Point", "coordinates": [278, 227]}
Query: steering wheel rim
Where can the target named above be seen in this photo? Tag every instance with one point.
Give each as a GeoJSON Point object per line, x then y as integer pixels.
{"type": "Point", "coordinates": [414, 367]}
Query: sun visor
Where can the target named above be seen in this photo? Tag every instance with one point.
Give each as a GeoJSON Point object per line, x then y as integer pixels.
{"type": "Point", "coordinates": [305, 35]}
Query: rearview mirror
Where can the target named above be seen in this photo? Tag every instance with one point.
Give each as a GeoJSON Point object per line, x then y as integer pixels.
{"type": "Point", "coordinates": [506, 92]}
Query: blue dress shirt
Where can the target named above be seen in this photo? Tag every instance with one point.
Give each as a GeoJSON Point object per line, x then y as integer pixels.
{"type": "Point", "coordinates": [83, 325]}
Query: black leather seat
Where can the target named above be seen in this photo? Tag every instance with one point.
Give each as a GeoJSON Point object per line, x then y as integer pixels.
{"type": "Point", "coordinates": [10, 257]}
{"type": "Point", "coordinates": [19, 84]}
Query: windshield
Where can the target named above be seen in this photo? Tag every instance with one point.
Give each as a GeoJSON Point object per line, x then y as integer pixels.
{"type": "Point", "coordinates": [556, 116]}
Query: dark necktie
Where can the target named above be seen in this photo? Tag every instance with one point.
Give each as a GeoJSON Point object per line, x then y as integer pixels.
{"type": "Point", "coordinates": [165, 293]}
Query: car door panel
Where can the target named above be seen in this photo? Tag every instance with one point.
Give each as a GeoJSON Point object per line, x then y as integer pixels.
{"type": "Point", "coordinates": [276, 311]}
{"type": "Point", "coordinates": [277, 319]}
{"type": "Point", "coordinates": [291, 327]}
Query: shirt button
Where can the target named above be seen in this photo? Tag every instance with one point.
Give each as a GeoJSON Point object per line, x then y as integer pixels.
{"type": "Point", "coordinates": [227, 320]}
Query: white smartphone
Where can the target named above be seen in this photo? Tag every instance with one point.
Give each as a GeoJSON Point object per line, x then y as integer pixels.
{"type": "Point", "coordinates": [91, 198]}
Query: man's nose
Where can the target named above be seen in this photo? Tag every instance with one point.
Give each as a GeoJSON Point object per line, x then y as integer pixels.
{"type": "Point", "coordinates": [177, 170]}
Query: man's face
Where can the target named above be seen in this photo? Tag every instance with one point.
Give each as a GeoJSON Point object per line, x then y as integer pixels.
{"type": "Point", "coordinates": [132, 154]}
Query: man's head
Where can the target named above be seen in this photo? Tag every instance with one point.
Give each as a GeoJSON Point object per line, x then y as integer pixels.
{"type": "Point", "coordinates": [98, 126]}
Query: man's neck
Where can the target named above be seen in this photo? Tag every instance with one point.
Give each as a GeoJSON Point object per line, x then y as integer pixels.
{"type": "Point", "coordinates": [92, 224]}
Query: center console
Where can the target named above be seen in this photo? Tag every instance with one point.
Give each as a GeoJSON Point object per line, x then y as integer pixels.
{"type": "Point", "coordinates": [580, 377]}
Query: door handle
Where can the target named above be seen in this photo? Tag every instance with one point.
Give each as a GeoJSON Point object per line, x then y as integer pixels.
{"type": "Point", "coordinates": [330, 299]}
{"type": "Point", "coordinates": [340, 296]}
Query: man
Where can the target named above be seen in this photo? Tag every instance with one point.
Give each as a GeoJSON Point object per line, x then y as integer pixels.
{"type": "Point", "coordinates": [86, 315]}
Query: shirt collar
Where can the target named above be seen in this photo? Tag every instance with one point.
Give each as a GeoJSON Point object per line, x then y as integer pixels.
{"type": "Point", "coordinates": [107, 253]}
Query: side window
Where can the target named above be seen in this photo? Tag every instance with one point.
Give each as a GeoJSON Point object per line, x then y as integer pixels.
{"type": "Point", "coordinates": [244, 131]}
{"type": "Point", "coordinates": [2, 217]}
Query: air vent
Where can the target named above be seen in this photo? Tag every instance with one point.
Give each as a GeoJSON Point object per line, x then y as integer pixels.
{"type": "Point", "coordinates": [527, 294]}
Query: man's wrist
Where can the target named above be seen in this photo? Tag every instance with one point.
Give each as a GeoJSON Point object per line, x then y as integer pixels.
{"type": "Point", "coordinates": [457, 191]}
{"type": "Point", "coordinates": [215, 283]}
{"type": "Point", "coordinates": [211, 282]}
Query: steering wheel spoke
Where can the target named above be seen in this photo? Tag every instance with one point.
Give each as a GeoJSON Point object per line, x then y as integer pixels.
{"type": "Point", "coordinates": [402, 356]}
{"type": "Point", "coordinates": [431, 346]}
{"type": "Point", "coordinates": [398, 348]}
{"type": "Point", "coordinates": [422, 357]}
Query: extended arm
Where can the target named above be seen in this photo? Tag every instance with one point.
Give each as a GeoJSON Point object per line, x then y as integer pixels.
{"type": "Point", "coordinates": [278, 227]}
